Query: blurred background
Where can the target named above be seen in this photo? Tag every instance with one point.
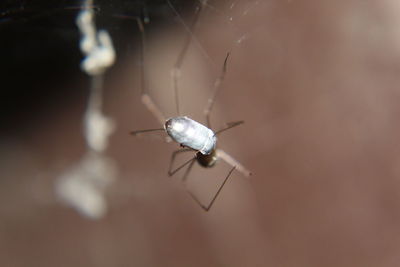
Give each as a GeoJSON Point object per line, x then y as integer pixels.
{"type": "Point", "coordinates": [316, 83]}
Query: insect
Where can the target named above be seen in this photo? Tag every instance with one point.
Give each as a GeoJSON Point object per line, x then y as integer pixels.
{"type": "Point", "coordinates": [190, 134]}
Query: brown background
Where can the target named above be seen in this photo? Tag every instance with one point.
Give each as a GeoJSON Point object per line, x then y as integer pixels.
{"type": "Point", "coordinates": [317, 84]}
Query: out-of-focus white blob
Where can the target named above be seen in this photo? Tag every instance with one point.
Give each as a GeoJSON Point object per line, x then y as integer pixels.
{"type": "Point", "coordinates": [97, 47]}
{"type": "Point", "coordinates": [88, 31]}
{"type": "Point", "coordinates": [83, 186]}
{"type": "Point", "coordinates": [97, 130]}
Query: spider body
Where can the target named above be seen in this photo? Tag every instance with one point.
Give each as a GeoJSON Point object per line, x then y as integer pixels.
{"type": "Point", "coordinates": [189, 133]}
{"type": "Point", "coordinates": [207, 161]}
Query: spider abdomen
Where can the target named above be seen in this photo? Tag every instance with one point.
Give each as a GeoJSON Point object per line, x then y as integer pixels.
{"type": "Point", "coordinates": [192, 134]}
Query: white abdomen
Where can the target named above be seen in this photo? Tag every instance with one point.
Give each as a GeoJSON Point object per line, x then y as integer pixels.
{"type": "Point", "coordinates": [190, 133]}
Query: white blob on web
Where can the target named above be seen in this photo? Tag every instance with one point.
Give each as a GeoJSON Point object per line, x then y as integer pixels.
{"type": "Point", "coordinates": [97, 130]}
{"type": "Point", "coordinates": [83, 185]}
{"type": "Point", "coordinates": [97, 47]}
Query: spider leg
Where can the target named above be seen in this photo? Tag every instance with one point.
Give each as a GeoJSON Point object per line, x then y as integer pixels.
{"type": "Point", "coordinates": [233, 162]}
{"type": "Point", "coordinates": [176, 71]}
{"type": "Point", "coordinates": [172, 172]}
{"type": "Point", "coordinates": [145, 98]}
{"type": "Point", "coordinates": [207, 207]}
{"type": "Point", "coordinates": [153, 108]}
{"type": "Point", "coordinates": [229, 126]}
{"type": "Point", "coordinates": [217, 86]}
{"type": "Point", "coordinates": [186, 175]}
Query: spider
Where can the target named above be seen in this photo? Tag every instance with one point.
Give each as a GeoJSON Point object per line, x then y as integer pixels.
{"type": "Point", "coordinates": [196, 137]}
{"type": "Point", "coordinates": [190, 134]}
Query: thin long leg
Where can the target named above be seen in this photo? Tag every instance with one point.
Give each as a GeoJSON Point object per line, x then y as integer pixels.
{"type": "Point", "coordinates": [183, 165]}
{"type": "Point", "coordinates": [185, 176]}
{"type": "Point", "coordinates": [217, 86]}
{"type": "Point", "coordinates": [152, 107]}
{"type": "Point", "coordinates": [143, 79]}
{"type": "Point", "coordinates": [229, 126]}
{"type": "Point", "coordinates": [146, 99]}
{"type": "Point", "coordinates": [176, 71]}
{"type": "Point", "coordinates": [208, 207]}
{"type": "Point", "coordinates": [233, 162]}
{"type": "Point", "coordinates": [145, 131]}
{"type": "Point", "coordinates": [170, 172]}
